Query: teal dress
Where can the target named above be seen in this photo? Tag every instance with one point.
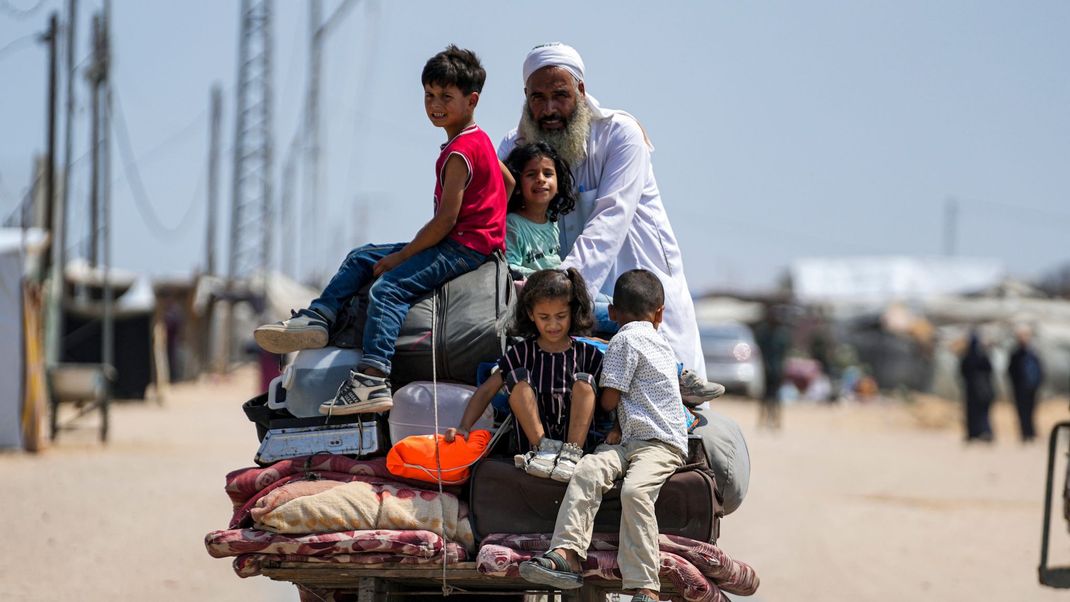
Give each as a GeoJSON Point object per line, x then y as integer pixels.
{"type": "Point", "coordinates": [530, 247]}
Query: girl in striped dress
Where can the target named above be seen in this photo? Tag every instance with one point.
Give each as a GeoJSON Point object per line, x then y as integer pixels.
{"type": "Point", "coordinates": [550, 376]}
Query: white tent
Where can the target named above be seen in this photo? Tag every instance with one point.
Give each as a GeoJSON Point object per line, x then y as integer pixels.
{"type": "Point", "coordinates": [879, 280]}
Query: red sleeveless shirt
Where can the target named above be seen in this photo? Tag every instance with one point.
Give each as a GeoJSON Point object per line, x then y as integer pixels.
{"type": "Point", "coordinates": [481, 222]}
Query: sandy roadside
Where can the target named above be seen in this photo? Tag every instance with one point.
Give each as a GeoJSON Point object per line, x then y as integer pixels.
{"type": "Point", "coordinates": [127, 521]}
{"type": "Point", "coordinates": [846, 503]}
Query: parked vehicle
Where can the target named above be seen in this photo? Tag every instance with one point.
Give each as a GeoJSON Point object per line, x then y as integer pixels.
{"type": "Point", "coordinates": [1055, 576]}
{"type": "Point", "coordinates": [733, 358]}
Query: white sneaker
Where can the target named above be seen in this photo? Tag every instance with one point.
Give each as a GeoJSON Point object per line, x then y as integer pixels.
{"type": "Point", "coordinates": [566, 462]}
{"type": "Point", "coordinates": [695, 390]}
{"type": "Point", "coordinates": [306, 329]}
{"type": "Point", "coordinates": [359, 394]}
{"type": "Point", "coordinates": [539, 462]}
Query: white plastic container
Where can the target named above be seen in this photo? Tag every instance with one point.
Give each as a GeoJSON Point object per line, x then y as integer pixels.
{"type": "Point", "coordinates": [414, 409]}
{"type": "Point", "coordinates": [314, 377]}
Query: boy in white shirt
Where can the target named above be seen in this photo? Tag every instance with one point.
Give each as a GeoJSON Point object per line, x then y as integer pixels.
{"type": "Point", "coordinates": [639, 380]}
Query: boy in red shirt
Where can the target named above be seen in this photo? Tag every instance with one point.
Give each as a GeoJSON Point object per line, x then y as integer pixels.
{"type": "Point", "coordinates": [471, 191]}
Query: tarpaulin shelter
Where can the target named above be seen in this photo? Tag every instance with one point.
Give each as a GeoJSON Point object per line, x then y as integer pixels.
{"type": "Point", "coordinates": [15, 245]}
{"type": "Point", "coordinates": [133, 309]}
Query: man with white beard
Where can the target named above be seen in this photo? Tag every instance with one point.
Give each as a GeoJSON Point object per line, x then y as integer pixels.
{"type": "Point", "coordinates": [619, 222]}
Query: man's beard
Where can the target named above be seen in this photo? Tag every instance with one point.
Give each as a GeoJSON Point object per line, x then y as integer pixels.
{"type": "Point", "coordinates": [569, 142]}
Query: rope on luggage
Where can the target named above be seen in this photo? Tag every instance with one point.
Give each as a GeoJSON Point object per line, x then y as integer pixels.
{"type": "Point", "coordinates": [447, 589]}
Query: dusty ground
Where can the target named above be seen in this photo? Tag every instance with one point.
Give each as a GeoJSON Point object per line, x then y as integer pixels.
{"type": "Point", "coordinates": [127, 521]}
{"type": "Point", "coordinates": [885, 502]}
{"type": "Point", "coordinates": [857, 503]}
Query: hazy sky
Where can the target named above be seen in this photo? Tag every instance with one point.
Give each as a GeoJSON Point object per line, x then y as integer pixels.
{"type": "Point", "coordinates": [783, 129]}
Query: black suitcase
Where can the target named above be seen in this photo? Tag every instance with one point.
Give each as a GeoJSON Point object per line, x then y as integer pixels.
{"type": "Point", "coordinates": [505, 499]}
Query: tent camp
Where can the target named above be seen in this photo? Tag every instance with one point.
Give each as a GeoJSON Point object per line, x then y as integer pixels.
{"type": "Point", "coordinates": [134, 308]}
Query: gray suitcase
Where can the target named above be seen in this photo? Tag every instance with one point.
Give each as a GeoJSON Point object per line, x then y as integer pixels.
{"type": "Point", "coordinates": [362, 439]}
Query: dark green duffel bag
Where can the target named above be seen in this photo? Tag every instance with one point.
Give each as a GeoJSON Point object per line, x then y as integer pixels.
{"type": "Point", "coordinates": [471, 312]}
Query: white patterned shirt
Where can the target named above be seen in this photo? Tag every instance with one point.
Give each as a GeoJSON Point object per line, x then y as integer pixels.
{"type": "Point", "coordinates": [642, 366]}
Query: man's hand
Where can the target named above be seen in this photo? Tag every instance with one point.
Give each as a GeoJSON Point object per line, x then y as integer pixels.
{"type": "Point", "coordinates": [451, 434]}
{"type": "Point", "coordinates": [614, 435]}
{"type": "Point", "coordinates": [387, 263]}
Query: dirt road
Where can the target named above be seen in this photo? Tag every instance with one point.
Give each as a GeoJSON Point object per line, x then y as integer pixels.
{"type": "Point", "coordinates": [862, 503]}
{"type": "Point", "coordinates": [127, 521]}
{"type": "Point", "coordinates": [846, 504]}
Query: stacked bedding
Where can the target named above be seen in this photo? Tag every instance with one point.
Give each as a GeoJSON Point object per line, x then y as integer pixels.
{"type": "Point", "coordinates": [328, 509]}
{"type": "Point", "coordinates": [334, 510]}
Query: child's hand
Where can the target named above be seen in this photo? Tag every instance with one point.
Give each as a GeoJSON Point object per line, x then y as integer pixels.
{"type": "Point", "coordinates": [614, 436]}
{"type": "Point", "coordinates": [451, 434]}
{"type": "Point", "coordinates": [387, 263]}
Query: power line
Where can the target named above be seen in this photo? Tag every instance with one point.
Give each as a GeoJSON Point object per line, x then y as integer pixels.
{"type": "Point", "coordinates": [20, 14]}
{"type": "Point", "coordinates": [18, 43]}
{"type": "Point", "coordinates": [23, 205]}
{"type": "Point", "coordinates": [336, 17]}
{"type": "Point", "coordinates": [3, 189]}
{"type": "Point", "coordinates": [370, 43]}
{"type": "Point", "coordinates": [137, 186]}
{"type": "Point", "coordinates": [190, 128]}
{"type": "Point", "coordinates": [1018, 210]}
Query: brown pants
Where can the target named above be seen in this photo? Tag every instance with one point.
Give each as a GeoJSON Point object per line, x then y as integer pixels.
{"type": "Point", "coordinates": [645, 465]}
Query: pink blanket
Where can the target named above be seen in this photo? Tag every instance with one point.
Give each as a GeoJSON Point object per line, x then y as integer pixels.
{"type": "Point", "coordinates": [244, 483]}
{"type": "Point", "coordinates": [250, 565]}
{"type": "Point", "coordinates": [418, 544]}
{"type": "Point", "coordinates": [728, 574]}
{"type": "Point", "coordinates": [501, 561]}
{"type": "Point", "coordinates": [246, 486]}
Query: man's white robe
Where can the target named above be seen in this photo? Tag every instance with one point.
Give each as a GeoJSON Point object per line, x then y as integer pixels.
{"type": "Point", "coordinates": [620, 224]}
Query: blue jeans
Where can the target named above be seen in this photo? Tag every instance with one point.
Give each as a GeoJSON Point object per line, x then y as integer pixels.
{"type": "Point", "coordinates": [602, 324]}
{"type": "Point", "coordinates": [391, 296]}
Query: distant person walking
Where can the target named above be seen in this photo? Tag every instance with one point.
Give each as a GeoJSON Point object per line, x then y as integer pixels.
{"type": "Point", "coordinates": [976, 372]}
{"type": "Point", "coordinates": [1027, 374]}
{"type": "Point", "coordinates": [774, 340]}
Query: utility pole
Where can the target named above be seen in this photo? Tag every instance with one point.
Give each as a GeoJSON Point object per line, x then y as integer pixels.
{"type": "Point", "coordinates": [95, 75]}
{"type": "Point", "coordinates": [213, 179]}
{"type": "Point", "coordinates": [951, 218]}
{"type": "Point", "coordinates": [310, 206]}
{"type": "Point", "coordinates": [55, 315]}
{"type": "Point", "coordinates": [252, 142]}
{"type": "Point", "coordinates": [251, 208]}
{"type": "Point", "coordinates": [311, 226]}
{"type": "Point", "coordinates": [267, 149]}
{"type": "Point", "coordinates": [286, 203]}
{"type": "Point", "coordinates": [68, 134]}
{"type": "Point", "coordinates": [108, 325]}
